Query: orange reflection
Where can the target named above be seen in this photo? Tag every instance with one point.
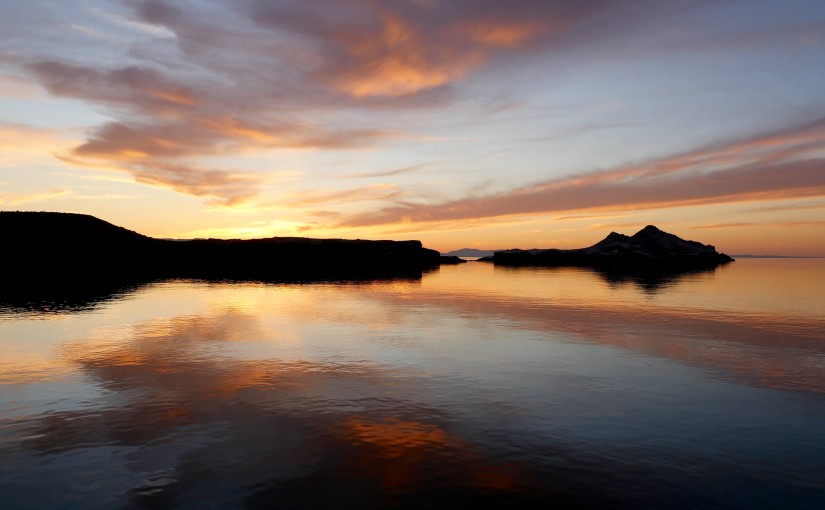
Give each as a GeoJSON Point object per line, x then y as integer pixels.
{"type": "Point", "coordinates": [394, 436]}
{"type": "Point", "coordinates": [402, 450]}
{"type": "Point", "coordinates": [495, 477]}
{"type": "Point", "coordinates": [242, 376]}
{"type": "Point", "coordinates": [404, 453]}
{"type": "Point", "coordinates": [29, 368]}
{"type": "Point", "coordinates": [178, 413]}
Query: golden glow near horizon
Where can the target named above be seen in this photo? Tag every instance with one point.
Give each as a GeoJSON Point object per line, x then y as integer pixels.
{"type": "Point", "coordinates": [495, 126]}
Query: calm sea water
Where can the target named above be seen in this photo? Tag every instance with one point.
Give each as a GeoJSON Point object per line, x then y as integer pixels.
{"type": "Point", "coordinates": [475, 385]}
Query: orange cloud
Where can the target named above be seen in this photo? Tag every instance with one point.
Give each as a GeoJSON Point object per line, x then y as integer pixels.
{"type": "Point", "coordinates": [502, 34]}
{"type": "Point", "coordinates": [362, 193]}
{"type": "Point", "coordinates": [386, 173]}
{"type": "Point", "coordinates": [396, 63]}
{"type": "Point", "coordinates": [227, 188]}
{"type": "Point", "coordinates": [782, 224]}
{"type": "Point", "coordinates": [175, 122]}
{"type": "Point", "coordinates": [179, 98]}
{"type": "Point", "coordinates": [402, 58]}
{"type": "Point", "coordinates": [7, 199]}
{"type": "Point", "coordinates": [22, 144]}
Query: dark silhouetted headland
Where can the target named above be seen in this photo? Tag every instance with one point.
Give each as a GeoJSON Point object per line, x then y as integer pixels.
{"type": "Point", "coordinates": [649, 250]}
{"type": "Point", "coordinates": [62, 246]}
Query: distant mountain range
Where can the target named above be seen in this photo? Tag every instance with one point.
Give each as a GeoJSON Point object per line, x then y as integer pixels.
{"type": "Point", "coordinates": [648, 249]}
{"type": "Point", "coordinates": [469, 252]}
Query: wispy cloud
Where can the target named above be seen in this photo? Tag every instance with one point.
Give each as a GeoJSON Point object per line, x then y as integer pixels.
{"type": "Point", "coordinates": [737, 225]}
{"type": "Point", "coordinates": [16, 87]}
{"type": "Point", "coordinates": [9, 199]}
{"type": "Point", "coordinates": [386, 173]}
{"type": "Point", "coordinates": [176, 122]}
{"type": "Point", "coordinates": [225, 187]}
{"type": "Point", "coordinates": [358, 194]}
{"type": "Point", "coordinates": [772, 166]}
{"type": "Point", "coordinates": [21, 144]}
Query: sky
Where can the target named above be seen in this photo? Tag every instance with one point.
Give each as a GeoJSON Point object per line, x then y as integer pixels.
{"type": "Point", "coordinates": [462, 123]}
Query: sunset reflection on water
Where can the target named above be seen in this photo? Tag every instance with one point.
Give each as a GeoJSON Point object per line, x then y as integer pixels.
{"type": "Point", "coordinates": [473, 385]}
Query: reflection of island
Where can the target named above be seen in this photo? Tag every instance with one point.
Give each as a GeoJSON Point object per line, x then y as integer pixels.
{"type": "Point", "coordinates": [649, 280]}
{"type": "Point", "coordinates": [650, 258]}
{"type": "Point", "coordinates": [74, 247]}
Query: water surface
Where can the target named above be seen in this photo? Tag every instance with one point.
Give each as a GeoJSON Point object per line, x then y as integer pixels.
{"type": "Point", "coordinates": [512, 387]}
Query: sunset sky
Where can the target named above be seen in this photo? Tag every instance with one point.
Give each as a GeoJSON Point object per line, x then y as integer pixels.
{"type": "Point", "coordinates": [477, 123]}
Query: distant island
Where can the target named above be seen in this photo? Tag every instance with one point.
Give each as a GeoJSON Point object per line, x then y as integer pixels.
{"type": "Point", "coordinates": [747, 256]}
{"type": "Point", "coordinates": [469, 252]}
{"type": "Point", "coordinates": [649, 249]}
{"type": "Point", "coordinates": [53, 247]}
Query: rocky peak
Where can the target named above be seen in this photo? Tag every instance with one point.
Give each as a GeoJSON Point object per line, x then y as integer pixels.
{"type": "Point", "coordinates": [649, 242]}
{"type": "Point", "coordinates": [652, 241]}
{"type": "Point", "coordinates": [650, 230]}
{"type": "Point", "coordinates": [613, 241]}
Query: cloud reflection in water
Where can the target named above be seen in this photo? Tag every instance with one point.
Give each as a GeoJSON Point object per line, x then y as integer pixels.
{"type": "Point", "coordinates": [451, 392]}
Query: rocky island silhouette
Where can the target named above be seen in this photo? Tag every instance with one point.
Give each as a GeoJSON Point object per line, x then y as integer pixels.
{"type": "Point", "coordinates": [649, 248]}
{"type": "Point", "coordinates": [651, 258]}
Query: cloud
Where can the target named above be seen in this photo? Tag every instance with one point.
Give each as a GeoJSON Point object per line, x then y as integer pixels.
{"type": "Point", "coordinates": [20, 144]}
{"type": "Point", "coordinates": [16, 87]}
{"type": "Point", "coordinates": [737, 225]}
{"type": "Point", "coordinates": [772, 166]}
{"type": "Point", "coordinates": [9, 199]}
{"type": "Point", "coordinates": [229, 78]}
{"type": "Point", "coordinates": [225, 188]}
{"type": "Point", "coordinates": [791, 207]}
{"type": "Point", "coordinates": [175, 122]}
{"type": "Point", "coordinates": [314, 75]}
{"type": "Point", "coordinates": [367, 49]}
{"type": "Point", "coordinates": [386, 173]}
{"type": "Point", "coordinates": [358, 194]}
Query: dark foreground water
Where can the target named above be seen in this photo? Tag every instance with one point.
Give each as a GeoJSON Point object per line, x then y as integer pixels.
{"type": "Point", "coordinates": [476, 385]}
